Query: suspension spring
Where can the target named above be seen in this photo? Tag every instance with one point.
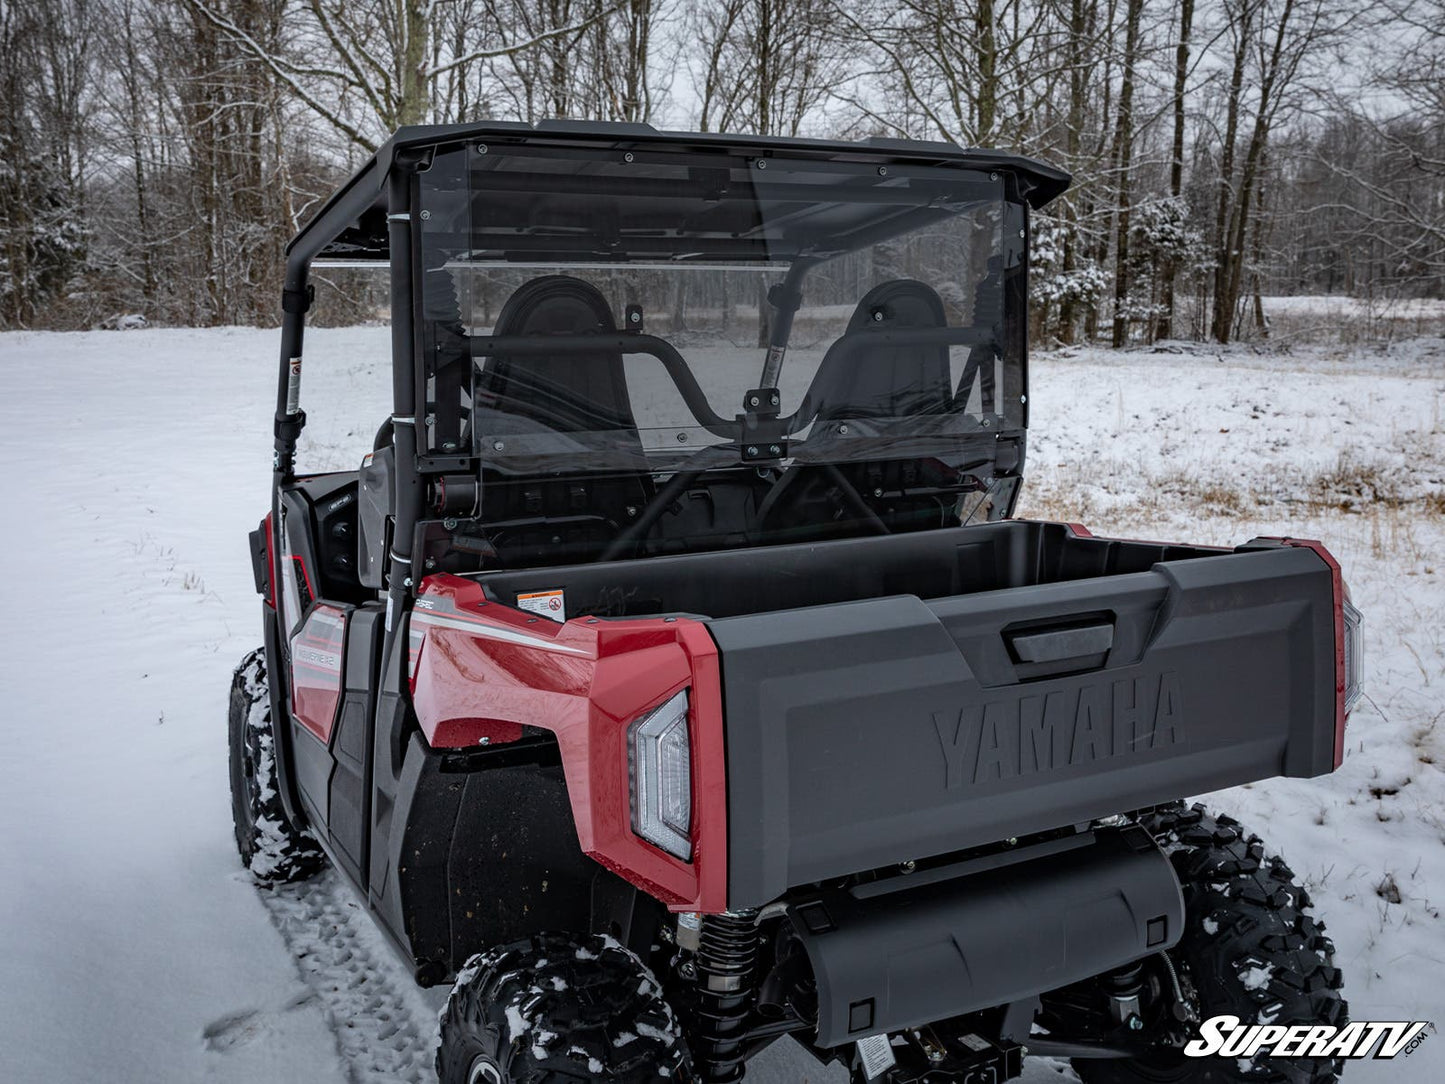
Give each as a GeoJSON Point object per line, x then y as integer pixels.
{"type": "Point", "coordinates": [726, 960]}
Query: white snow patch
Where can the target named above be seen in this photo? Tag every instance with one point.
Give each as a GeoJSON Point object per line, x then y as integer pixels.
{"type": "Point", "coordinates": [647, 1031]}
{"type": "Point", "coordinates": [1256, 978]}
{"type": "Point", "coordinates": [517, 1024]}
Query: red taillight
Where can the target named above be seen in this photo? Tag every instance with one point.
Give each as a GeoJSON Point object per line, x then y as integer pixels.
{"type": "Point", "coordinates": [1342, 690]}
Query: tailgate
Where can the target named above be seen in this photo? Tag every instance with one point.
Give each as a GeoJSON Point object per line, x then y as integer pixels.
{"type": "Point", "coordinates": [863, 734]}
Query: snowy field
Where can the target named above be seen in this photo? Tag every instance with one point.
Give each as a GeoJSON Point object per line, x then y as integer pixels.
{"type": "Point", "coordinates": [132, 947]}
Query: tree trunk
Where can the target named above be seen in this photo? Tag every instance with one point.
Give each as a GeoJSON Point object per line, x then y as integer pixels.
{"type": "Point", "coordinates": [1164, 329]}
{"type": "Point", "coordinates": [1124, 164]}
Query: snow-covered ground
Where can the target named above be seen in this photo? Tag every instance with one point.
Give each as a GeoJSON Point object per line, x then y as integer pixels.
{"type": "Point", "coordinates": [132, 947]}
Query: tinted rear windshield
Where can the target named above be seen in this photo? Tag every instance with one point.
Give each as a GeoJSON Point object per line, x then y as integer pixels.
{"type": "Point", "coordinates": [608, 311]}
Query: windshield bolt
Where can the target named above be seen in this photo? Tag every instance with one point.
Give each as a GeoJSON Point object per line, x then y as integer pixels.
{"type": "Point", "coordinates": [907, 866]}
{"type": "Point", "coordinates": [878, 492]}
{"type": "Point", "coordinates": [627, 157]}
{"type": "Point", "coordinates": [882, 171]}
{"type": "Point", "coordinates": [993, 176]}
{"type": "Point", "coordinates": [842, 430]}
{"type": "Point", "coordinates": [682, 438]}
{"type": "Point", "coordinates": [425, 215]}
{"type": "Point", "coordinates": [481, 148]}
{"type": "Point", "coordinates": [497, 445]}
{"type": "Point", "coordinates": [762, 163]}
{"type": "Point", "coordinates": [752, 451]}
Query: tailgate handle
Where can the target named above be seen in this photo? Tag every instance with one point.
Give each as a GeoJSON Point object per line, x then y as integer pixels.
{"type": "Point", "coordinates": [1056, 645]}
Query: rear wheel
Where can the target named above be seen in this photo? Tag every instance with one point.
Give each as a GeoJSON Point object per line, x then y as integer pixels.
{"type": "Point", "coordinates": [1250, 949]}
{"type": "Point", "coordinates": [273, 849]}
{"type": "Point", "coordinates": [557, 1008]}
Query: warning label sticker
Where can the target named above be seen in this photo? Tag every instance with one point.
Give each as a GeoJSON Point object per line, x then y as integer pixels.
{"type": "Point", "coordinates": [551, 604]}
{"type": "Point", "coordinates": [876, 1054]}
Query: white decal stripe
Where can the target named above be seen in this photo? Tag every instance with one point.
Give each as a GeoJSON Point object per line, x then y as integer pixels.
{"type": "Point", "coordinates": [493, 632]}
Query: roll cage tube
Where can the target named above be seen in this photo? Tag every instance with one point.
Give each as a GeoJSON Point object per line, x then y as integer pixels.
{"type": "Point", "coordinates": [405, 364]}
{"type": "Point", "coordinates": [682, 376]}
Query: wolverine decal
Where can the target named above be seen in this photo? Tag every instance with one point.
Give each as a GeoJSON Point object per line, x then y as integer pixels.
{"type": "Point", "coordinates": [1002, 739]}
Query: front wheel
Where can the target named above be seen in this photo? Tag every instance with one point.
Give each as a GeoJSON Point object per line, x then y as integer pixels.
{"type": "Point", "coordinates": [271, 847]}
{"type": "Point", "coordinates": [557, 1008]}
{"type": "Point", "coordinates": [1251, 949]}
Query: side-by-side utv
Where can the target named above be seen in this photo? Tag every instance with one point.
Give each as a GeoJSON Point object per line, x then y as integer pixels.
{"type": "Point", "coordinates": [672, 676]}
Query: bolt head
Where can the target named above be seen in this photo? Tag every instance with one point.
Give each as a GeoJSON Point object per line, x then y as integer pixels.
{"type": "Point", "coordinates": [882, 171]}
{"type": "Point", "coordinates": [425, 215]}
{"type": "Point", "coordinates": [752, 449]}
{"type": "Point", "coordinates": [481, 148]}
{"type": "Point", "coordinates": [1135, 1024]}
{"type": "Point", "coordinates": [627, 157]}
{"type": "Point", "coordinates": [762, 163]}
{"type": "Point", "coordinates": [498, 445]}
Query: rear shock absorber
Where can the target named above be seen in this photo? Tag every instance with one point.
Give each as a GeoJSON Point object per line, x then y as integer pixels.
{"type": "Point", "coordinates": [1124, 988]}
{"type": "Point", "coordinates": [726, 961]}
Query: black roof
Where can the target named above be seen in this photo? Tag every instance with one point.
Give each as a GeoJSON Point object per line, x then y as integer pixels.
{"type": "Point", "coordinates": [357, 209]}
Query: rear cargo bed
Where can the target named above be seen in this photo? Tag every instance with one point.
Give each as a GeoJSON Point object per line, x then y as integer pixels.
{"type": "Point", "coordinates": [905, 697]}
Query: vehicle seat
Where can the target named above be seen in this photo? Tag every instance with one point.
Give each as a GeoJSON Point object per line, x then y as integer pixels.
{"type": "Point", "coordinates": [878, 382]}
{"type": "Point", "coordinates": [885, 382]}
{"type": "Point", "coordinates": [557, 518]}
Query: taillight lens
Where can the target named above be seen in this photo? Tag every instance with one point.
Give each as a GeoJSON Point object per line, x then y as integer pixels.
{"type": "Point", "coordinates": [659, 761]}
{"type": "Point", "coordinates": [1354, 661]}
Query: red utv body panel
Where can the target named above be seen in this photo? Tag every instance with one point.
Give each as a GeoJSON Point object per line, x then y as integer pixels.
{"type": "Point", "coordinates": [316, 662]}
{"type": "Point", "coordinates": [482, 671]}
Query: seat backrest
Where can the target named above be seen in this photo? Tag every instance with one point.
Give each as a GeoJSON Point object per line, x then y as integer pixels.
{"type": "Point", "coordinates": [568, 392]}
{"type": "Point", "coordinates": [877, 380]}
{"type": "Point", "coordinates": [558, 518]}
{"type": "Point", "coordinates": [885, 381]}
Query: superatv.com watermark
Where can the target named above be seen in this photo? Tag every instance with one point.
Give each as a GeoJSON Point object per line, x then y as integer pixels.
{"type": "Point", "coordinates": [1229, 1037]}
